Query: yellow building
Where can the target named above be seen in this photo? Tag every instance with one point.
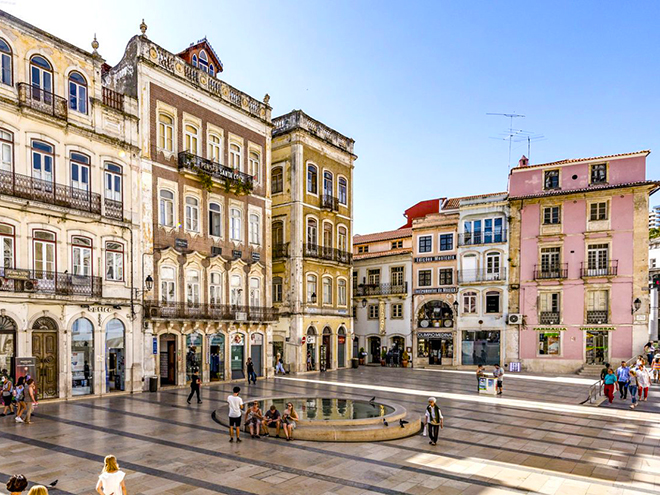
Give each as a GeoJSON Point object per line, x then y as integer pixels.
{"type": "Point", "coordinates": [312, 212]}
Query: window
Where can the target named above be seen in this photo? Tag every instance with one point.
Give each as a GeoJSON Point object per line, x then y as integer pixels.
{"type": "Point", "coordinates": [363, 249]}
{"type": "Point", "coordinates": [598, 259]}
{"type": "Point", "coordinates": [7, 151]}
{"type": "Point", "coordinates": [79, 171]}
{"type": "Point", "coordinates": [167, 285]}
{"type": "Point", "coordinates": [277, 180]}
{"type": "Point", "coordinates": [311, 288]}
{"type": "Point", "coordinates": [597, 306]}
{"type": "Point", "coordinates": [372, 311]}
{"type": "Point", "coordinates": [549, 304]}
{"type": "Point", "coordinates": [278, 233]}
{"type": "Point", "coordinates": [342, 239]}
{"type": "Point", "coordinates": [215, 288]}
{"type": "Point", "coordinates": [341, 292]}
{"type": "Point", "coordinates": [327, 183]}
{"type": "Point", "coordinates": [425, 244]}
{"type": "Point", "coordinates": [445, 276]}
{"type": "Point", "coordinates": [165, 132]}
{"type": "Point", "coordinates": [470, 302]}
{"type": "Point", "coordinates": [355, 280]}
{"type": "Point", "coordinates": [424, 278]}
{"type": "Point", "coordinates": [373, 276]}
{"type": "Point", "coordinates": [191, 137]}
{"type": "Point", "coordinates": [549, 343]}
{"type": "Point", "coordinates": [485, 231]}
{"type": "Point", "coordinates": [598, 211]}
{"type": "Point", "coordinates": [203, 61]}
{"type": "Point", "coordinates": [327, 290]}
{"type": "Point", "coordinates": [166, 208]}
{"type": "Point", "coordinates": [493, 302]}
{"type": "Point", "coordinates": [355, 314]}
{"type": "Point", "coordinates": [397, 244]}
{"type": "Point", "coordinates": [446, 242]}
{"type": "Point", "coordinates": [42, 163]}
{"type": "Point", "coordinates": [81, 259]}
{"type": "Point", "coordinates": [235, 156]}
{"type": "Point", "coordinates": [5, 63]}
{"type": "Point", "coordinates": [192, 214]}
{"type": "Point", "coordinates": [552, 215]}
{"type": "Point", "coordinates": [41, 79]}
{"type": "Point", "coordinates": [396, 276]}
{"type": "Point", "coordinates": [255, 229]}
{"type": "Point", "coordinates": [215, 148]}
{"type": "Point", "coordinates": [255, 166]}
{"type": "Point", "coordinates": [550, 259]}
{"type": "Point", "coordinates": [397, 311]}
{"type": "Point", "coordinates": [342, 187]}
{"type": "Point", "coordinates": [192, 287]}
{"type": "Point", "coordinates": [194, 60]}
{"type": "Point", "coordinates": [43, 245]}
{"type": "Point", "coordinates": [599, 173]}
{"type": "Point", "coordinates": [277, 289]}
{"type": "Point", "coordinates": [312, 179]}
{"type": "Point", "coordinates": [113, 182]}
{"type": "Point", "coordinates": [7, 244]}
{"type": "Point", "coordinates": [77, 92]}
{"type": "Point", "coordinates": [215, 220]}
{"type": "Point", "coordinates": [327, 235]}
{"type": "Point", "coordinates": [255, 292]}
{"type": "Point", "coordinates": [236, 288]}
{"type": "Point", "coordinates": [236, 224]}
{"type": "Point", "coordinates": [114, 261]}
{"type": "Point", "coordinates": [211, 69]}
{"type": "Point", "coordinates": [312, 232]}
{"type": "Point", "coordinates": [493, 265]}
{"type": "Point", "coordinates": [551, 179]}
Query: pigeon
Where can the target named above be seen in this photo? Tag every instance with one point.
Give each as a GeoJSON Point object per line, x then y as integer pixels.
{"type": "Point", "coordinates": [53, 483]}
{"type": "Point", "coordinates": [372, 399]}
{"type": "Point", "coordinates": [385, 423]}
{"type": "Point", "coordinates": [402, 422]}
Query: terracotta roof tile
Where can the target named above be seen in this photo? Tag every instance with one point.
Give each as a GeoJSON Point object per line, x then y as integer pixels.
{"type": "Point", "coordinates": [575, 160]}
{"type": "Point", "coordinates": [600, 187]}
{"type": "Point", "coordinates": [378, 254]}
{"type": "Point", "coordinates": [382, 236]}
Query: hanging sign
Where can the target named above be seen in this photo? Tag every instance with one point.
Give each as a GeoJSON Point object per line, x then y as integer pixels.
{"type": "Point", "coordinates": [256, 339]}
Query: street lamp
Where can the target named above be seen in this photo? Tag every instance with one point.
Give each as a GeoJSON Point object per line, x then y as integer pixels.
{"type": "Point", "coordinates": [364, 303]}
{"type": "Point", "coordinates": [455, 307]}
{"type": "Point", "coordinates": [148, 283]}
{"type": "Point", "coordinates": [637, 303]}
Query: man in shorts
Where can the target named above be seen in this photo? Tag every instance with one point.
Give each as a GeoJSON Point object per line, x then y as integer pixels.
{"type": "Point", "coordinates": [273, 419]}
{"type": "Point", "coordinates": [235, 407]}
{"type": "Point", "coordinates": [498, 374]}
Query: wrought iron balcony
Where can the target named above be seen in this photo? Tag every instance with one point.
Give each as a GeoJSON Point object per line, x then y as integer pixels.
{"type": "Point", "coordinates": [42, 101]}
{"type": "Point", "coordinates": [113, 99]}
{"type": "Point", "coordinates": [608, 269]}
{"type": "Point", "coordinates": [231, 312]}
{"type": "Point", "coordinates": [481, 275]}
{"type": "Point", "coordinates": [478, 238]}
{"type": "Point", "coordinates": [543, 272]}
{"type": "Point", "coordinates": [381, 289]}
{"type": "Point", "coordinates": [327, 253]}
{"type": "Point", "coordinates": [329, 202]}
{"type": "Point", "coordinates": [597, 317]}
{"type": "Point", "coordinates": [194, 163]}
{"type": "Point", "coordinates": [45, 282]}
{"type": "Point", "coordinates": [549, 317]}
{"type": "Point", "coordinates": [281, 250]}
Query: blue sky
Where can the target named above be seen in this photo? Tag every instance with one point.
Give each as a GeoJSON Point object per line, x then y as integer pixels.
{"type": "Point", "coordinates": [412, 82]}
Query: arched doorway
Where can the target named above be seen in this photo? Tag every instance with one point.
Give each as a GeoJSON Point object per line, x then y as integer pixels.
{"type": "Point", "coordinates": [237, 356]}
{"type": "Point", "coordinates": [193, 354]}
{"type": "Point", "coordinates": [115, 356]}
{"type": "Point", "coordinates": [82, 357]}
{"type": "Point", "coordinates": [435, 338]}
{"type": "Point", "coordinates": [398, 346]}
{"type": "Point", "coordinates": [8, 329]}
{"type": "Point", "coordinates": [374, 349]}
{"type": "Point", "coordinates": [341, 347]}
{"type": "Point", "coordinates": [311, 349]}
{"type": "Point", "coordinates": [326, 348]}
{"type": "Point", "coordinates": [217, 356]}
{"type": "Point", "coordinates": [45, 352]}
{"type": "Point", "coordinates": [167, 359]}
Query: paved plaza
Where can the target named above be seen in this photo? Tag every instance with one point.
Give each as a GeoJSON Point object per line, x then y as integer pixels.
{"type": "Point", "coordinates": [534, 439]}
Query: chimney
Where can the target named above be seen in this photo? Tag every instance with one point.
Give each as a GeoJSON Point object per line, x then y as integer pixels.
{"type": "Point", "coordinates": [523, 162]}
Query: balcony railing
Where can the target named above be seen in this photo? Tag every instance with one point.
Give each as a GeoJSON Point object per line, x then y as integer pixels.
{"type": "Point", "coordinates": [549, 317]}
{"type": "Point", "coordinates": [597, 317]}
{"type": "Point", "coordinates": [158, 309]}
{"type": "Point", "coordinates": [281, 250]}
{"type": "Point", "coordinates": [329, 202]}
{"type": "Point", "coordinates": [608, 269]}
{"type": "Point", "coordinates": [549, 272]}
{"type": "Point", "coordinates": [46, 282]}
{"type": "Point", "coordinates": [114, 209]}
{"type": "Point", "coordinates": [194, 163]}
{"type": "Point", "coordinates": [113, 99]}
{"type": "Point", "coordinates": [42, 101]}
{"type": "Point", "coordinates": [327, 253]}
{"type": "Point", "coordinates": [477, 275]}
{"type": "Point", "coordinates": [381, 289]}
{"type": "Point", "coordinates": [477, 238]}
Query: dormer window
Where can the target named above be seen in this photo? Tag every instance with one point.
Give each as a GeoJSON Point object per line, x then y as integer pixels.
{"type": "Point", "coordinates": [599, 173]}
{"type": "Point", "coordinates": [194, 60]}
{"type": "Point", "coordinates": [211, 70]}
{"type": "Point", "coordinates": [551, 179]}
{"type": "Point", "coordinates": [203, 61]}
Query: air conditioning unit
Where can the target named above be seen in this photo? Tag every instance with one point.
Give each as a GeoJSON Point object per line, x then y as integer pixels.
{"type": "Point", "coordinates": [514, 319]}
{"type": "Point", "coordinates": [28, 285]}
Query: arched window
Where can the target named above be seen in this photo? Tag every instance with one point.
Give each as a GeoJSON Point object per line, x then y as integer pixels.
{"type": "Point", "coordinates": [236, 288]}
{"type": "Point", "coordinates": [277, 289]}
{"type": "Point", "coordinates": [236, 224]}
{"type": "Point", "coordinates": [167, 284]}
{"type": "Point", "coordinates": [41, 79]}
{"type": "Point", "coordinates": [255, 166]}
{"type": "Point", "coordinates": [342, 239]}
{"type": "Point", "coordinates": [215, 220]}
{"type": "Point", "coordinates": [6, 151]}
{"type": "Point", "coordinates": [341, 292]}
{"type": "Point", "coordinates": [327, 183]}
{"type": "Point", "coordinates": [235, 156]}
{"type": "Point", "coordinates": [311, 288]}
{"type": "Point", "coordinates": [192, 139]}
{"type": "Point", "coordinates": [81, 256]}
{"type": "Point", "coordinates": [327, 235]}
{"type": "Point", "coordinates": [215, 288]}
{"type": "Point", "coordinates": [114, 261]}
{"type": "Point", "coordinates": [255, 229]}
{"type": "Point", "coordinates": [312, 179]}
{"type": "Point", "coordinates": [113, 178]}
{"type": "Point", "coordinates": [215, 148]}
{"type": "Point", "coordinates": [6, 75]}
{"type": "Point", "coordinates": [192, 214]}
{"type": "Point", "coordinates": [166, 208]}
{"type": "Point", "coordinates": [114, 352]}
{"type": "Point", "coordinates": [79, 172]}
{"type": "Point", "coordinates": [470, 302]}
{"type": "Point", "coordinates": [82, 357]}
{"type": "Point", "coordinates": [203, 61]}
{"type": "Point", "coordinates": [8, 330]}
{"type": "Point", "coordinates": [312, 232]}
{"type": "Point", "coordinates": [77, 92]}
{"type": "Point", "coordinates": [327, 290]}
{"type": "Point", "coordinates": [343, 190]}
{"type": "Point", "coordinates": [42, 163]}
{"type": "Point", "coordinates": [7, 247]}
{"type": "Point", "coordinates": [277, 180]}
{"type": "Point", "coordinates": [211, 70]}
{"type": "Point", "coordinates": [192, 287]}
{"type": "Point", "coordinates": [255, 292]}
{"type": "Point", "coordinates": [165, 132]}
{"type": "Point", "coordinates": [194, 60]}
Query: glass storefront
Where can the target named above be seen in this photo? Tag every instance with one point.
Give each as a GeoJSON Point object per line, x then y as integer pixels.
{"type": "Point", "coordinates": [193, 354]}
{"type": "Point", "coordinates": [437, 347]}
{"type": "Point", "coordinates": [480, 348]}
{"type": "Point", "coordinates": [217, 357]}
{"type": "Point", "coordinates": [237, 356]}
{"type": "Point", "coordinates": [115, 356]}
{"type": "Point", "coordinates": [7, 343]}
{"type": "Point", "coordinates": [82, 357]}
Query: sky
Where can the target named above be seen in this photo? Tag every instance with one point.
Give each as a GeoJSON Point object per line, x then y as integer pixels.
{"type": "Point", "coordinates": [412, 82]}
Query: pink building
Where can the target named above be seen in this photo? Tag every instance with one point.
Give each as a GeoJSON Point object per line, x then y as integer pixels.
{"type": "Point", "coordinates": [579, 267]}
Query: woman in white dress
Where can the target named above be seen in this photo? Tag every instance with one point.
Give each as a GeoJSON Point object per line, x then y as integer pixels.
{"type": "Point", "coordinates": [111, 481]}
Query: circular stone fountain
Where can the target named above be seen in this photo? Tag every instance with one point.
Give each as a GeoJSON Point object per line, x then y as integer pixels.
{"type": "Point", "coordinates": [338, 419]}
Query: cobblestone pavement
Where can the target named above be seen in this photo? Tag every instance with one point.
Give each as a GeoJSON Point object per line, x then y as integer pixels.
{"type": "Point", "coordinates": [536, 438]}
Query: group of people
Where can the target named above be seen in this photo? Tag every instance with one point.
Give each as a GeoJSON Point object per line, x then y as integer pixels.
{"type": "Point", "coordinates": [635, 379]}
{"type": "Point", "coordinates": [258, 422]}
{"type": "Point", "coordinates": [19, 399]}
{"type": "Point", "coordinates": [393, 356]}
{"type": "Point", "coordinates": [498, 374]}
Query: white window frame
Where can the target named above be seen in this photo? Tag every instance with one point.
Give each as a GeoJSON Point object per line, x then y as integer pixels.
{"type": "Point", "coordinates": [212, 214]}
{"type": "Point", "coordinates": [235, 223]}
{"type": "Point", "coordinates": [311, 287]}
{"type": "Point", "coordinates": [166, 132]}
{"type": "Point", "coordinates": [342, 292]}
{"type": "Point", "coordinates": [6, 151]}
{"type": "Point", "coordinates": [168, 287]}
{"type": "Point", "coordinates": [114, 262]}
{"type": "Point", "coordinates": [191, 139]}
{"type": "Point", "coordinates": [236, 155]}
{"type": "Point", "coordinates": [193, 283]}
{"type": "Point", "coordinates": [191, 214]}
{"type": "Point", "coordinates": [214, 147]}
{"type": "Point", "coordinates": [327, 291]}
{"type": "Point", "coordinates": [255, 292]}
{"type": "Point", "coordinates": [215, 288]}
{"type": "Point", "coordinates": [255, 228]}
{"type": "Point", "coordinates": [255, 165]}
{"type": "Point", "coordinates": [164, 206]}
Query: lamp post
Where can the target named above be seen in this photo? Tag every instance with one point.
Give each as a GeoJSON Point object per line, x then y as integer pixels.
{"type": "Point", "coordinates": [364, 303]}
{"type": "Point", "coordinates": [637, 303]}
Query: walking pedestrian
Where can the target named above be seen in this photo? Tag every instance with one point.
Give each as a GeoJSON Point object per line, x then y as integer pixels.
{"type": "Point", "coordinates": [434, 420]}
{"type": "Point", "coordinates": [253, 419]}
{"type": "Point", "coordinates": [31, 399]}
{"type": "Point", "coordinates": [251, 375]}
{"type": "Point", "coordinates": [603, 372]}
{"type": "Point", "coordinates": [38, 490]}
{"type": "Point", "coordinates": [623, 376]}
{"type": "Point", "coordinates": [498, 374]}
{"type": "Point", "coordinates": [235, 407]}
{"type": "Point", "coordinates": [643, 382]}
{"type": "Point", "coordinates": [632, 387]}
{"type": "Point", "coordinates": [289, 418]}
{"type": "Point", "coordinates": [649, 349]}
{"type": "Point", "coordinates": [610, 382]}
{"type": "Point", "coordinates": [279, 365]}
{"type": "Point", "coordinates": [111, 481]}
{"type": "Point", "coordinates": [273, 420]}
{"type": "Point", "coordinates": [195, 387]}
{"type": "Point", "coordinates": [480, 374]}
{"type": "Point", "coordinates": [7, 397]}
{"type": "Point", "coordinates": [17, 484]}
{"type": "Point", "coordinates": [19, 397]}
{"type": "Point", "coordinates": [656, 368]}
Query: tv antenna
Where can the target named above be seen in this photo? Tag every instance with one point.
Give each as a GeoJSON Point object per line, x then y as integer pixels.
{"type": "Point", "coordinates": [529, 137]}
{"type": "Point", "coordinates": [512, 132]}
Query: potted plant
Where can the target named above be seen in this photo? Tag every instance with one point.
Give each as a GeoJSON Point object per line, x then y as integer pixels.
{"type": "Point", "coordinates": [362, 354]}
{"type": "Point", "coordinates": [383, 357]}
{"type": "Point", "coordinates": [405, 359]}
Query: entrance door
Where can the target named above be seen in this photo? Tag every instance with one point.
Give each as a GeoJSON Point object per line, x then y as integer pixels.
{"type": "Point", "coordinates": [327, 355]}
{"type": "Point", "coordinates": [255, 354]}
{"type": "Point", "coordinates": [596, 347]}
{"type": "Point", "coordinates": [374, 349]}
{"type": "Point", "coordinates": [44, 350]}
{"type": "Point", "coordinates": [237, 355]}
{"type": "Point", "coordinates": [217, 357]}
{"type": "Point", "coordinates": [167, 360]}
{"type": "Point", "coordinates": [341, 351]}
{"type": "Point", "coordinates": [435, 351]}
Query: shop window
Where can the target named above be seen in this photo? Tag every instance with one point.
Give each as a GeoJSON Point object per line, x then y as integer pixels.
{"type": "Point", "coordinates": [549, 343]}
{"type": "Point", "coordinates": [480, 348]}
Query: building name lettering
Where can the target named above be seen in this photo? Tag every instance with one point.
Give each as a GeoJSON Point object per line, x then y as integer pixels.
{"type": "Point", "coordinates": [428, 259]}
{"type": "Point", "coordinates": [437, 290]}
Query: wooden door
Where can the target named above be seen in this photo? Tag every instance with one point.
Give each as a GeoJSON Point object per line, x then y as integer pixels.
{"type": "Point", "coordinates": [44, 349]}
{"type": "Point", "coordinates": [171, 362]}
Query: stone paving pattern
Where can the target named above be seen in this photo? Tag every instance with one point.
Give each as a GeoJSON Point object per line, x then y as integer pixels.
{"type": "Point", "coordinates": [489, 445]}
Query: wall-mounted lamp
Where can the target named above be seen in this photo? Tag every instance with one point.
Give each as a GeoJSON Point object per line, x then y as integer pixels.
{"type": "Point", "coordinates": [364, 303]}
{"type": "Point", "coordinates": [637, 303]}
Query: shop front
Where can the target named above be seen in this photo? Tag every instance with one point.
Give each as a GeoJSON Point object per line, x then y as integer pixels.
{"type": "Point", "coordinates": [480, 347]}
{"type": "Point", "coordinates": [326, 349]}
{"type": "Point", "coordinates": [436, 347]}
{"type": "Point", "coordinates": [596, 346]}
{"type": "Point", "coordinates": [237, 356]}
{"type": "Point", "coordinates": [216, 350]}
{"type": "Point", "coordinates": [256, 347]}
{"type": "Point", "coordinates": [341, 348]}
{"type": "Point", "coordinates": [167, 359]}
{"type": "Point", "coordinates": [374, 350]}
{"type": "Point", "coordinates": [82, 357]}
{"type": "Point", "coordinates": [193, 354]}
{"type": "Point", "coordinates": [311, 349]}
{"type": "Point", "coordinates": [115, 356]}
{"type": "Point", "coordinates": [278, 350]}
{"type": "Point", "coordinates": [8, 329]}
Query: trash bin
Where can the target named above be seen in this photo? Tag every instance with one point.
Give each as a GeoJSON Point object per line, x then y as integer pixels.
{"type": "Point", "coordinates": [355, 362]}
{"type": "Point", "coordinates": [153, 384]}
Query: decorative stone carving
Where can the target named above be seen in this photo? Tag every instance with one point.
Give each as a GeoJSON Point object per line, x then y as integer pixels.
{"type": "Point", "coordinates": [203, 80]}
{"type": "Point", "coordinates": [179, 68]}
{"type": "Point", "coordinates": [244, 102]}
{"type": "Point", "coordinates": [153, 54]}
{"type": "Point", "coordinates": [143, 28]}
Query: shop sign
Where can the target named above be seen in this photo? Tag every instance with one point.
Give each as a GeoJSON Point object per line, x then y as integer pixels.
{"type": "Point", "coordinates": [100, 309]}
{"type": "Point", "coordinates": [16, 274]}
{"type": "Point", "coordinates": [181, 243]}
{"type": "Point", "coordinates": [437, 290]}
{"type": "Point", "coordinates": [238, 339]}
{"type": "Point", "coordinates": [256, 339]}
{"type": "Point", "coordinates": [155, 345]}
{"type": "Point", "coordinates": [550, 329]}
{"type": "Point", "coordinates": [311, 339]}
{"type": "Point", "coordinates": [256, 256]}
{"type": "Point", "coordinates": [435, 335]}
{"type": "Point", "coordinates": [236, 254]}
{"type": "Point", "coordinates": [598, 329]}
{"type": "Point", "coordinates": [428, 259]}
